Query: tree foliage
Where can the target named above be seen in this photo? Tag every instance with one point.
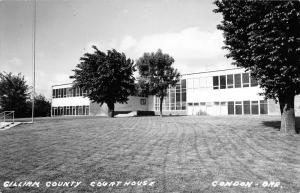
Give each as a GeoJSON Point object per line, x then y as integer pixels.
{"type": "Point", "coordinates": [108, 77]}
{"type": "Point", "coordinates": [264, 37]}
{"type": "Point", "coordinates": [13, 93]}
{"type": "Point", "coordinates": [156, 74]}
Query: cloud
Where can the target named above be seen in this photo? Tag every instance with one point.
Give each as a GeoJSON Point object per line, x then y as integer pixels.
{"type": "Point", "coordinates": [189, 43]}
{"type": "Point", "coordinates": [194, 50]}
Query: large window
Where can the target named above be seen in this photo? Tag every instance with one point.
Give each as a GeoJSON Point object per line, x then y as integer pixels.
{"type": "Point", "coordinates": [222, 82]}
{"type": "Point", "coordinates": [70, 110]}
{"type": "Point", "coordinates": [254, 107]}
{"type": "Point", "coordinates": [246, 80]}
{"type": "Point", "coordinates": [238, 108]}
{"type": "Point", "coordinates": [230, 108]}
{"type": "Point", "coordinates": [176, 96]}
{"type": "Point", "coordinates": [263, 107]}
{"type": "Point", "coordinates": [237, 80]}
{"type": "Point", "coordinates": [230, 81]}
{"type": "Point", "coordinates": [216, 82]}
{"type": "Point", "coordinates": [246, 105]}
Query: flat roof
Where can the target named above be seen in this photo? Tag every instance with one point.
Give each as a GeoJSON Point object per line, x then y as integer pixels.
{"type": "Point", "coordinates": [211, 71]}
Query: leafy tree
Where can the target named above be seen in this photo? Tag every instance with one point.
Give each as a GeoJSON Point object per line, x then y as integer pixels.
{"type": "Point", "coordinates": [263, 37]}
{"type": "Point", "coordinates": [13, 93]}
{"type": "Point", "coordinates": [107, 77]}
{"type": "Point", "coordinates": [42, 107]}
{"type": "Point", "coordinates": [156, 74]}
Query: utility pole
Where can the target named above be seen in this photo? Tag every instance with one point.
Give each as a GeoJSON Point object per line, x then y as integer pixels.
{"type": "Point", "coordinates": [33, 59]}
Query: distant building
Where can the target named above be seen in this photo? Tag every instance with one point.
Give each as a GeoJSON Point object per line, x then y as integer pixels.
{"type": "Point", "coordinates": [222, 92]}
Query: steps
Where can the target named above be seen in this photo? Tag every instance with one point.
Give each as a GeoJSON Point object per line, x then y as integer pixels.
{"type": "Point", "coordinates": [8, 125]}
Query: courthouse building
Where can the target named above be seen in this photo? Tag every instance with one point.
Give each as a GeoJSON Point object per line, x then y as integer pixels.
{"type": "Point", "coordinates": [222, 92]}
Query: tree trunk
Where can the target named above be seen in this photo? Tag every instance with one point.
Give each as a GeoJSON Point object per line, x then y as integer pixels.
{"type": "Point", "coordinates": [111, 109]}
{"type": "Point", "coordinates": [288, 123]}
{"type": "Point", "coordinates": [160, 105]}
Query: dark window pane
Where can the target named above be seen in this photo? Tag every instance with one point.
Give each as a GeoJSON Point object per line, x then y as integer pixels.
{"type": "Point", "coordinates": [237, 80]}
{"type": "Point", "coordinates": [246, 80]}
{"type": "Point", "coordinates": [178, 106]}
{"type": "Point", "coordinates": [230, 108]}
{"type": "Point", "coordinates": [222, 82]}
{"type": "Point", "coordinates": [263, 107]}
{"type": "Point", "coordinates": [183, 97]}
{"type": "Point", "coordinates": [216, 82]}
{"type": "Point", "coordinates": [253, 82]}
{"type": "Point", "coordinates": [177, 96]}
{"type": "Point", "coordinates": [183, 83]}
{"type": "Point", "coordinates": [230, 81]}
{"type": "Point", "coordinates": [53, 93]}
{"type": "Point", "coordinates": [238, 108]}
{"type": "Point", "coordinates": [196, 104]}
{"type": "Point", "coordinates": [190, 104]}
{"type": "Point", "coordinates": [246, 107]}
{"type": "Point", "coordinates": [254, 107]}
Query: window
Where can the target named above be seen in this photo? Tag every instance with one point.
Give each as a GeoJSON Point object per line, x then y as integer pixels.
{"type": "Point", "coordinates": [202, 104]}
{"type": "Point", "coordinates": [143, 101]}
{"type": "Point", "coordinates": [56, 93]}
{"type": "Point", "coordinates": [230, 108]}
{"type": "Point", "coordinates": [178, 106]}
{"type": "Point", "coordinates": [253, 81]}
{"type": "Point", "coordinates": [65, 92]}
{"type": "Point", "coordinates": [237, 80]}
{"type": "Point", "coordinates": [254, 107]}
{"type": "Point", "coordinates": [53, 93]}
{"type": "Point", "coordinates": [183, 105]}
{"type": "Point", "coordinates": [80, 92]}
{"type": "Point", "coordinates": [238, 108]}
{"type": "Point", "coordinates": [190, 104]}
{"type": "Point", "coordinates": [230, 81]}
{"type": "Point", "coordinates": [222, 82]}
{"type": "Point", "coordinates": [74, 92]}
{"type": "Point", "coordinates": [216, 103]}
{"type": "Point", "coordinates": [87, 110]}
{"type": "Point", "coordinates": [246, 105]}
{"type": "Point", "coordinates": [215, 82]}
{"type": "Point", "coordinates": [263, 107]}
{"type": "Point", "coordinates": [246, 80]}
{"type": "Point", "coordinates": [196, 104]}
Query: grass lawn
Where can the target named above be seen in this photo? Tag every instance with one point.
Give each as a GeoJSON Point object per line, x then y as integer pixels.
{"type": "Point", "coordinates": [177, 154]}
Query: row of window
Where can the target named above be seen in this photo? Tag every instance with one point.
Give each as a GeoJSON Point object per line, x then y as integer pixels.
{"type": "Point", "coordinates": [175, 98]}
{"type": "Point", "coordinates": [70, 110]}
{"type": "Point", "coordinates": [238, 107]}
{"type": "Point", "coordinates": [233, 81]}
{"type": "Point", "coordinates": [68, 92]}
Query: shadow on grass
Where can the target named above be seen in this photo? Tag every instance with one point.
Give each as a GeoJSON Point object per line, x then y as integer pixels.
{"type": "Point", "coordinates": [276, 124]}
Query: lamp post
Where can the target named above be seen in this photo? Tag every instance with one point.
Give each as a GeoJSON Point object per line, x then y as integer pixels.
{"type": "Point", "coordinates": [33, 59]}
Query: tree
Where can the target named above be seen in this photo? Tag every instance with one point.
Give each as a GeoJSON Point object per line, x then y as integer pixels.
{"type": "Point", "coordinates": [157, 74]}
{"type": "Point", "coordinates": [108, 78]}
{"type": "Point", "coordinates": [263, 37]}
{"type": "Point", "coordinates": [13, 93]}
{"type": "Point", "coordinates": [42, 107]}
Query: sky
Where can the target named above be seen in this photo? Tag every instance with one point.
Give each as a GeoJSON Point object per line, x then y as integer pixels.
{"type": "Point", "coordinates": [66, 29]}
